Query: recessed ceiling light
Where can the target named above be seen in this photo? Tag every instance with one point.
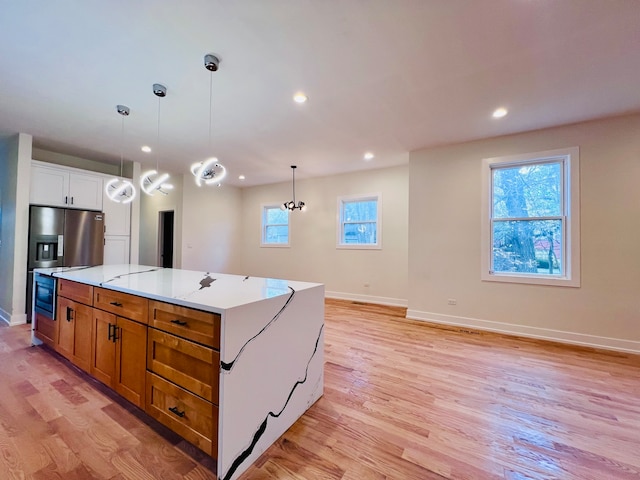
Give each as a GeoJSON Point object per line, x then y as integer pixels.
{"type": "Point", "coordinates": [300, 97]}
{"type": "Point", "coordinates": [369, 156]}
{"type": "Point", "coordinates": [499, 112]}
{"type": "Point", "coordinates": [146, 149]}
{"type": "Point", "coordinates": [241, 177]}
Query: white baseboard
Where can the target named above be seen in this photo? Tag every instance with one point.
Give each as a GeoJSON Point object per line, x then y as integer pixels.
{"type": "Point", "coordinates": [12, 320]}
{"type": "Point", "coordinates": [355, 297]}
{"type": "Point", "coordinates": [629, 346]}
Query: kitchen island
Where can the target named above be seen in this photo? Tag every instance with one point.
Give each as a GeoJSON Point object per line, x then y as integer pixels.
{"type": "Point", "coordinates": [260, 373]}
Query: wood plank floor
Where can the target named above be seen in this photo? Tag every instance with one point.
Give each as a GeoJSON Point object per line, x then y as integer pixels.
{"type": "Point", "coordinates": [403, 400]}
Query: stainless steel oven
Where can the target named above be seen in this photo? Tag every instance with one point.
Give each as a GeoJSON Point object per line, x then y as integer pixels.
{"type": "Point", "coordinates": [44, 296]}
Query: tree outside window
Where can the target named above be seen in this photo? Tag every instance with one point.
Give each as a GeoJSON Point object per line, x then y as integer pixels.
{"type": "Point", "coordinates": [275, 226]}
{"type": "Point", "coordinates": [531, 226]}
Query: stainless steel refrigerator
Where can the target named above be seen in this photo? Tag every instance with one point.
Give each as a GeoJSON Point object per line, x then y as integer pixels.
{"type": "Point", "coordinates": [60, 237]}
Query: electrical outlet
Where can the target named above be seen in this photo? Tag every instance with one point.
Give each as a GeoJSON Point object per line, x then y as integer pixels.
{"type": "Point", "coordinates": [452, 301]}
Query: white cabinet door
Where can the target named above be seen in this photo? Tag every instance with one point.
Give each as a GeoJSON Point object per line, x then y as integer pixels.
{"type": "Point", "coordinates": [116, 250]}
{"type": "Point", "coordinates": [85, 191]}
{"type": "Point", "coordinates": [117, 217]}
{"type": "Point", "coordinates": [49, 186]}
{"type": "Point", "coordinates": [60, 187]}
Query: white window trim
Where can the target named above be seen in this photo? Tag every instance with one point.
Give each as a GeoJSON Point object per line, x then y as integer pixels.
{"type": "Point", "coordinates": [357, 246]}
{"type": "Point", "coordinates": [571, 188]}
{"type": "Point", "coordinates": [263, 227]}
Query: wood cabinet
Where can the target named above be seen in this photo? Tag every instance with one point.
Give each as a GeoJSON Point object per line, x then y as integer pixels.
{"type": "Point", "coordinates": [74, 332]}
{"type": "Point", "coordinates": [46, 329]}
{"type": "Point", "coordinates": [64, 187]}
{"type": "Point", "coordinates": [119, 355]}
{"type": "Point", "coordinates": [124, 304]}
{"type": "Point", "coordinates": [183, 363]}
{"type": "Point", "coordinates": [183, 412]}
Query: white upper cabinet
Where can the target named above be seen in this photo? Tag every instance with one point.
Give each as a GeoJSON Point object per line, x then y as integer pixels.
{"type": "Point", "coordinates": [61, 187]}
{"type": "Point", "coordinates": [117, 217]}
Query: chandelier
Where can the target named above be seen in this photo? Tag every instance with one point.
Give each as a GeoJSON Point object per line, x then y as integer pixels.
{"type": "Point", "coordinates": [152, 181]}
{"type": "Point", "coordinates": [291, 204]}
{"type": "Point", "coordinates": [209, 171]}
{"type": "Point", "coordinates": [118, 189]}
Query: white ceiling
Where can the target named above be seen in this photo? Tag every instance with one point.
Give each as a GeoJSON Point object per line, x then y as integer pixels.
{"type": "Point", "coordinates": [389, 76]}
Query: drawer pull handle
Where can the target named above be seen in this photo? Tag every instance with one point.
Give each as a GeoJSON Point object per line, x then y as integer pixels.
{"type": "Point", "coordinates": [182, 323]}
{"type": "Point", "coordinates": [116, 304]}
{"type": "Point", "coordinates": [177, 412]}
{"type": "Point", "coordinates": [69, 314]}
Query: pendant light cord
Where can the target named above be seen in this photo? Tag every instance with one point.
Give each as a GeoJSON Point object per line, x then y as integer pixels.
{"type": "Point", "coordinates": [121, 145]}
{"type": "Point", "coordinates": [210, 107]}
{"type": "Point", "coordinates": [158, 141]}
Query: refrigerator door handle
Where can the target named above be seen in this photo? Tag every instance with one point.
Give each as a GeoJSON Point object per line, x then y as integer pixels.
{"type": "Point", "coordinates": [60, 245]}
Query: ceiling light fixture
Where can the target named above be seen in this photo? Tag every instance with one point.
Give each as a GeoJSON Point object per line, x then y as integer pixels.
{"type": "Point", "coordinates": [241, 177]}
{"type": "Point", "coordinates": [151, 181]}
{"type": "Point", "coordinates": [209, 171]}
{"type": "Point", "coordinates": [499, 112]}
{"type": "Point", "coordinates": [121, 190]}
{"type": "Point", "coordinates": [291, 205]}
{"type": "Point", "coordinates": [146, 149]}
{"type": "Point", "coordinates": [300, 97]}
{"type": "Point", "coordinates": [369, 156]}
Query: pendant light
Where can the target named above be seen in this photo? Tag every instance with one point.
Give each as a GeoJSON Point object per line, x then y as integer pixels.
{"type": "Point", "coordinates": [121, 190]}
{"type": "Point", "coordinates": [209, 171]}
{"type": "Point", "coordinates": [291, 205]}
{"type": "Point", "coordinates": [152, 181]}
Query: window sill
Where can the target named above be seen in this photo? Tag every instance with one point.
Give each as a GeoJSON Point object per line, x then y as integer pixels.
{"type": "Point", "coordinates": [275, 245]}
{"type": "Point", "coordinates": [358, 246]}
{"type": "Point", "coordinates": [531, 279]}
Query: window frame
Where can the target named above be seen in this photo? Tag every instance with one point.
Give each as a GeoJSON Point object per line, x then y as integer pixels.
{"type": "Point", "coordinates": [340, 223]}
{"type": "Point", "coordinates": [570, 161]}
{"type": "Point", "coordinates": [264, 225]}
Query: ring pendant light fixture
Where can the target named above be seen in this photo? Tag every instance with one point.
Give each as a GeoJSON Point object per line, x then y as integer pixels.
{"type": "Point", "coordinates": [152, 181]}
{"type": "Point", "coordinates": [121, 190]}
{"type": "Point", "coordinates": [291, 204]}
{"type": "Point", "coordinates": [209, 171]}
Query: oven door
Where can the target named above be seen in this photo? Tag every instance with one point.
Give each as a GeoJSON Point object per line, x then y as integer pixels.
{"type": "Point", "coordinates": [45, 295]}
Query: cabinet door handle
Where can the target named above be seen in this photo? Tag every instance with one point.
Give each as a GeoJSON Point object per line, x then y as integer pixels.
{"type": "Point", "coordinates": [71, 200]}
{"type": "Point", "coordinates": [69, 314]}
{"type": "Point", "coordinates": [116, 304]}
{"type": "Point", "coordinates": [177, 321]}
{"type": "Point", "coordinates": [177, 412]}
{"type": "Point", "coordinates": [111, 332]}
{"type": "Point", "coordinates": [115, 333]}
{"type": "Point", "coordinates": [66, 200]}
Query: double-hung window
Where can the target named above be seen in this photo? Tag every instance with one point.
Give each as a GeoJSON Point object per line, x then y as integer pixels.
{"type": "Point", "coordinates": [359, 222]}
{"type": "Point", "coordinates": [530, 218]}
{"type": "Point", "coordinates": [275, 226]}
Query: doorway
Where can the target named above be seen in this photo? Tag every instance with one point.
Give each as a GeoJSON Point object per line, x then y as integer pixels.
{"type": "Point", "coordinates": [165, 239]}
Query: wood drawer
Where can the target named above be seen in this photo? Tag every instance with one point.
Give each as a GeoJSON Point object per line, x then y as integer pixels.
{"type": "Point", "coordinates": [80, 292]}
{"type": "Point", "coordinates": [46, 330]}
{"type": "Point", "coordinates": [190, 416]}
{"type": "Point", "coordinates": [123, 304]}
{"type": "Point", "coordinates": [201, 327]}
{"type": "Point", "coordinates": [185, 363]}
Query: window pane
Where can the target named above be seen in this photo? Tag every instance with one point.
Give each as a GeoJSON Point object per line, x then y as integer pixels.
{"type": "Point", "coordinates": [276, 215]}
{"type": "Point", "coordinates": [279, 234]}
{"type": "Point", "coordinates": [360, 233]}
{"type": "Point", "coordinates": [360, 211]}
{"type": "Point", "coordinates": [528, 246]}
{"type": "Point", "coordinates": [528, 191]}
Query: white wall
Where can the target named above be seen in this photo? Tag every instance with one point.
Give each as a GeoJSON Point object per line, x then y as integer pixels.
{"type": "Point", "coordinates": [15, 162]}
{"type": "Point", "coordinates": [313, 256]}
{"type": "Point", "coordinates": [150, 208]}
{"type": "Point", "coordinates": [444, 239]}
{"type": "Point", "coordinates": [211, 228]}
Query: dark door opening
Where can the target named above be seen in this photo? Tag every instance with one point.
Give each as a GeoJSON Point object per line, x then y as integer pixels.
{"type": "Point", "coordinates": [165, 239]}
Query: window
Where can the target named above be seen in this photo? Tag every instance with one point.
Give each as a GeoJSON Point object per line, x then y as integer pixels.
{"type": "Point", "coordinates": [359, 222]}
{"type": "Point", "coordinates": [530, 218]}
{"type": "Point", "coordinates": [275, 226]}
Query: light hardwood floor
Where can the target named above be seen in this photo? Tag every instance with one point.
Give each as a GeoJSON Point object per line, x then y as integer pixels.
{"type": "Point", "coordinates": [403, 400]}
